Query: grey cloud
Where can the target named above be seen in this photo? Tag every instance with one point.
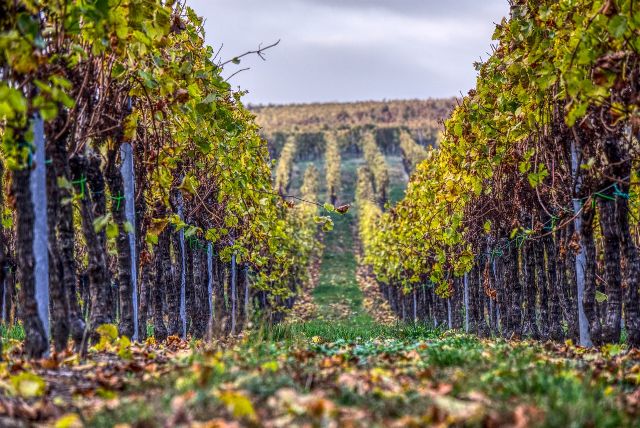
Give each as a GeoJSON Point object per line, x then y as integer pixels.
{"type": "Point", "coordinates": [334, 50]}
{"type": "Point", "coordinates": [337, 75]}
{"type": "Point", "coordinates": [435, 8]}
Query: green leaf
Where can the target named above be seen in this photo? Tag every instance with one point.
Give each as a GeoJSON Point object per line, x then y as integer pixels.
{"type": "Point", "coordinates": [147, 79]}
{"type": "Point", "coordinates": [99, 223]}
{"type": "Point", "coordinates": [112, 230]}
{"type": "Point", "coordinates": [16, 100]}
{"type": "Point", "coordinates": [48, 112]}
{"type": "Point", "coordinates": [329, 207]}
{"type": "Point", "coordinates": [535, 178]}
{"type": "Point", "coordinates": [613, 349]}
{"type": "Point", "coordinates": [6, 112]}
{"type": "Point", "coordinates": [124, 348]}
{"type": "Point", "coordinates": [523, 167]}
{"type": "Point", "coordinates": [63, 183]}
{"type": "Point", "coordinates": [328, 226]}
{"type": "Point", "coordinates": [151, 238]}
{"type": "Point", "coordinates": [601, 297]}
{"type": "Point", "coordinates": [618, 26]}
{"type": "Point", "coordinates": [271, 366]}
{"type": "Point", "coordinates": [28, 25]}
{"type": "Point", "coordinates": [210, 98]}
{"type": "Point", "coordinates": [190, 231]}
{"type": "Point", "coordinates": [230, 220]}
{"type": "Point", "coordinates": [61, 82]}
{"type": "Point", "coordinates": [576, 111]}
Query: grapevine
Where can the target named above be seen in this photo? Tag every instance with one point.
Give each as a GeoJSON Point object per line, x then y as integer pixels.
{"type": "Point", "coordinates": [534, 173]}
{"type": "Point", "coordinates": [378, 167]}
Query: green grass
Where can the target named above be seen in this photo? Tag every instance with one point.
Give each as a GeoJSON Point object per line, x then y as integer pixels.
{"type": "Point", "coordinates": [353, 330]}
{"type": "Point", "coordinates": [337, 293]}
{"type": "Point", "coordinates": [135, 413]}
{"type": "Point", "coordinates": [337, 286]}
{"type": "Point", "coordinates": [397, 179]}
{"type": "Point", "coordinates": [348, 177]}
{"type": "Point", "coordinates": [15, 332]}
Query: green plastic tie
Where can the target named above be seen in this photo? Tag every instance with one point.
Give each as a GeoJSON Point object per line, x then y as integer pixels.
{"type": "Point", "coordinates": [553, 221]}
{"type": "Point", "coordinates": [603, 196]}
{"type": "Point", "coordinates": [618, 192]}
{"type": "Point", "coordinates": [193, 242]}
{"type": "Point", "coordinates": [82, 182]}
{"type": "Point", "coordinates": [496, 252]}
{"type": "Point", "coordinates": [118, 199]}
{"type": "Point", "coordinates": [197, 244]}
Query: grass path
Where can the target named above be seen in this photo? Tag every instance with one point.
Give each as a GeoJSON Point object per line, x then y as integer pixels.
{"type": "Point", "coordinates": [337, 293]}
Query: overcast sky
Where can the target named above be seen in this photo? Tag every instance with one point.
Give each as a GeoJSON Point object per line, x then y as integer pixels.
{"type": "Point", "coordinates": [349, 50]}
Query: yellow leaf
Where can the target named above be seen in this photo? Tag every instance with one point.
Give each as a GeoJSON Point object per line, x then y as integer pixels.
{"type": "Point", "coordinates": [28, 385]}
{"type": "Point", "coordinates": [238, 404]}
{"type": "Point", "coordinates": [270, 366]}
{"type": "Point", "coordinates": [189, 184]}
{"type": "Point", "coordinates": [131, 125]}
{"type": "Point", "coordinates": [124, 342]}
{"type": "Point", "coordinates": [70, 420]}
{"type": "Point", "coordinates": [109, 331]}
{"type": "Point", "coordinates": [124, 351]}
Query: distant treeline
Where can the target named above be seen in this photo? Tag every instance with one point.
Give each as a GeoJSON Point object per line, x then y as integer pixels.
{"type": "Point", "coordinates": [385, 118]}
